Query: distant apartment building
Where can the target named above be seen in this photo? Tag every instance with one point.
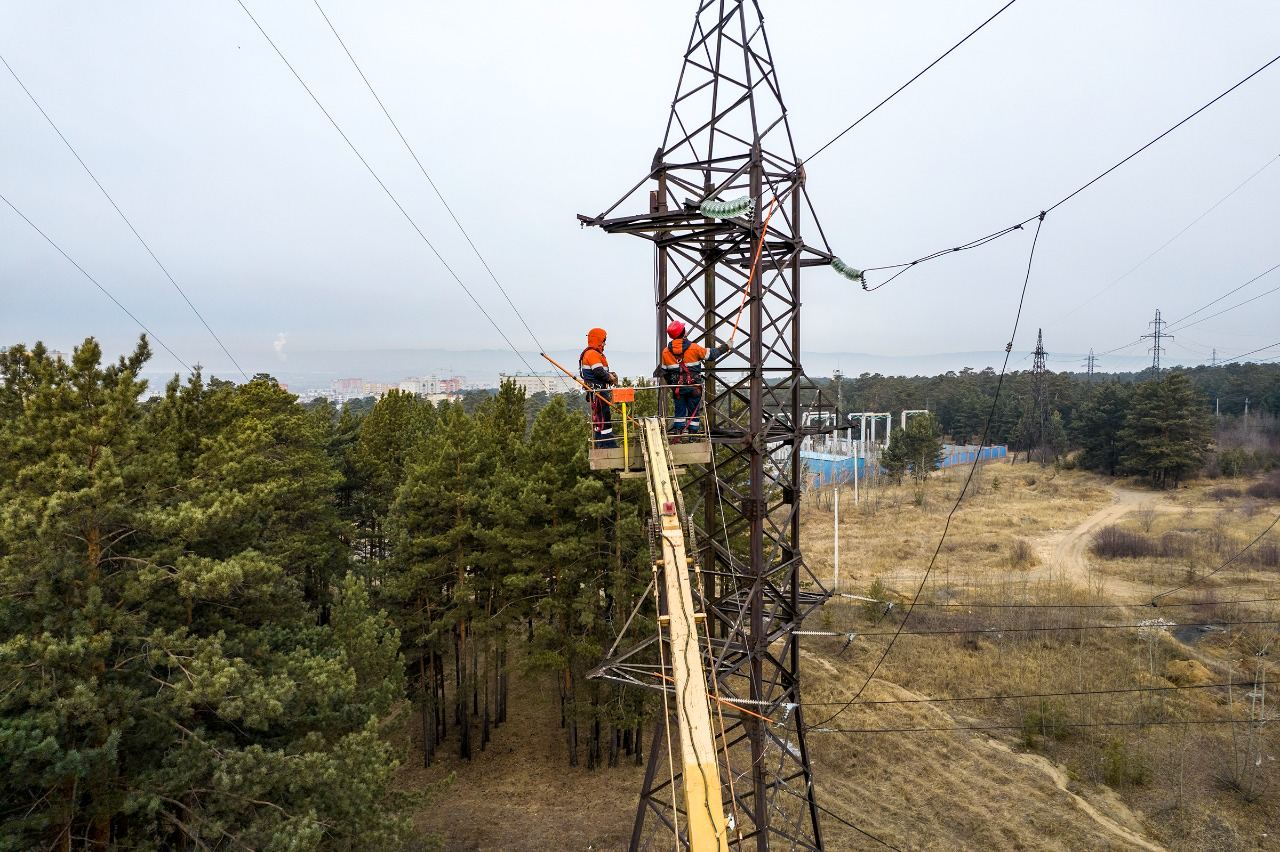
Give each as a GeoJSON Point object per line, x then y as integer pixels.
{"type": "Point", "coordinates": [379, 389]}
{"type": "Point", "coordinates": [533, 383]}
{"type": "Point", "coordinates": [342, 390]}
{"type": "Point", "coordinates": [425, 387]}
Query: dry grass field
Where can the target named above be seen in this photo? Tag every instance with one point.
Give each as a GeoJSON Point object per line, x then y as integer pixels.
{"type": "Point", "coordinates": [1105, 770]}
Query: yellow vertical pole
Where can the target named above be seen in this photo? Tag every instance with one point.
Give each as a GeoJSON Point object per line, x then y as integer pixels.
{"type": "Point", "coordinates": [626, 448]}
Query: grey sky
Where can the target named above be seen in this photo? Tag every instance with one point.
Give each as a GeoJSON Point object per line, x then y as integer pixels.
{"type": "Point", "coordinates": [528, 113]}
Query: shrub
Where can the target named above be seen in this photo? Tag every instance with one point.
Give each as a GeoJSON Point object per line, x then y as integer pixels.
{"type": "Point", "coordinates": [1146, 517]}
{"type": "Point", "coordinates": [1021, 554]}
{"type": "Point", "coordinates": [1122, 767]}
{"type": "Point", "coordinates": [1231, 462]}
{"type": "Point", "coordinates": [1266, 554]}
{"type": "Point", "coordinates": [1224, 492]}
{"type": "Point", "coordinates": [1047, 721]}
{"type": "Point", "coordinates": [1267, 489]}
{"type": "Point", "coordinates": [879, 606]}
{"type": "Point", "coordinates": [1117, 543]}
{"type": "Point", "coordinates": [1175, 545]}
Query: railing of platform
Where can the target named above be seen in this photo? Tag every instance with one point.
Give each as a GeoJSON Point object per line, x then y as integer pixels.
{"type": "Point", "coordinates": [627, 403]}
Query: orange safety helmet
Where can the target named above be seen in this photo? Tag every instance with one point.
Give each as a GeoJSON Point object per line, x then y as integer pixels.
{"type": "Point", "coordinates": [675, 329]}
{"type": "Point", "coordinates": [596, 338]}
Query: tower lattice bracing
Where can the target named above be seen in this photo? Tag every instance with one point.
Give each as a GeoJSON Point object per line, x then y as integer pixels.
{"type": "Point", "coordinates": [727, 138]}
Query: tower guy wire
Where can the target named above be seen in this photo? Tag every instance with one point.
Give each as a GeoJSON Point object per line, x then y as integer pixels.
{"type": "Point", "coordinates": [125, 219]}
{"type": "Point", "coordinates": [394, 200]}
{"type": "Point", "coordinates": [96, 283]}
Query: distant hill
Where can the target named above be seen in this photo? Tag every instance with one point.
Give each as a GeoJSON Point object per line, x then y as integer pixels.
{"type": "Point", "coordinates": [317, 368]}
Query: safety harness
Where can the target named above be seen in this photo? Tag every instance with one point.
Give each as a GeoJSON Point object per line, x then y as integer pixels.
{"type": "Point", "coordinates": [685, 376]}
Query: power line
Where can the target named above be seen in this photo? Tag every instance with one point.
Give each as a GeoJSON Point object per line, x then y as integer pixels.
{"type": "Point", "coordinates": [980, 241]}
{"type": "Point", "coordinates": [1018, 696]}
{"type": "Point", "coordinates": [1254, 351]}
{"type": "Point", "coordinates": [835, 816]}
{"type": "Point", "coordinates": [986, 430]}
{"type": "Point", "coordinates": [95, 283]}
{"type": "Point", "coordinates": [1209, 304]}
{"type": "Point", "coordinates": [918, 75]}
{"type": "Point", "coordinates": [125, 218]}
{"type": "Point", "coordinates": [966, 631]}
{"type": "Point", "coordinates": [385, 188]}
{"type": "Point", "coordinates": [1170, 241]}
{"type": "Point", "coordinates": [956, 728]}
{"type": "Point", "coordinates": [1241, 552]}
{"type": "Point", "coordinates": [1237, 305]}
{"type": "Point", "coordinates": [423, 169]}
{"type": "Point", "coordinates": [1097, 606]}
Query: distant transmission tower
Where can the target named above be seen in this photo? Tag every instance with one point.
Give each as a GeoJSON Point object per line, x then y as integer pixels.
{"type": "Point", "coordinates": [1089, 364]}
{"type": "Point", "coordinates": [1037, 377]}
{"type": "Point", "coordinates": [1213, 359]}
{"type": "Point", "coordinates": [1157, 334]}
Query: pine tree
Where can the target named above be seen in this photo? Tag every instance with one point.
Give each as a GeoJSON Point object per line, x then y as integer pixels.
{"type": "Point", "coordinates": [917, 449]}
{"type": "Point", "coordinates": [1167, 430]}
{"type": "Point", "coordinates": [1100, 425]}
{"type": "Point", "coordinates": [390, 436]}
{"type": "Point", "coordinates": [166, 689]}
{"type": "Point", "coordinates": [434, 527]}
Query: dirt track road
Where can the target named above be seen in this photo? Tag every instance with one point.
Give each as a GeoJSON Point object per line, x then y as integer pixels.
{"type": "Point", "coordinates": [1064, 555]}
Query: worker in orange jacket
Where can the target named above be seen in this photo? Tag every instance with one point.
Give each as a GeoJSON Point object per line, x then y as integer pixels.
{"type": "Point", "coordinates": [682, 363]}
{"type": "Point", "coordinates": [593, 369]}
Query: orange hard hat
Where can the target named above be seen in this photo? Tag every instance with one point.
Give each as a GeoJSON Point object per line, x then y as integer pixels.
{"type": "Point", "coordinates": [596, 337]}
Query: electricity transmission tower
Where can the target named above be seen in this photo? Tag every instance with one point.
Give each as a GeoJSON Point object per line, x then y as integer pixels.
{"type": "Point", "coordinates": [1090, 363]}
{"type": "Point", "coordinates": [1157, 334]}
{"type": "Point", "coordinates": [727, 140]}
{"type": "Point", "coordinates": [1039, 397]}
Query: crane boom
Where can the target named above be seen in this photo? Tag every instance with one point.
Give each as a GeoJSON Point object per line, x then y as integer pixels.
{"type": "Point", "coordinates": [701, 771]}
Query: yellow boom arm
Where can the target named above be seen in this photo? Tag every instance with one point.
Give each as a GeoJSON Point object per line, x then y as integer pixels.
{"type": "Point", "coordinates": [701, 772]}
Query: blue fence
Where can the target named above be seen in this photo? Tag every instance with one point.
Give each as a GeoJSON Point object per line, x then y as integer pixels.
{"type": "Point", "coordinates": [825, 468]}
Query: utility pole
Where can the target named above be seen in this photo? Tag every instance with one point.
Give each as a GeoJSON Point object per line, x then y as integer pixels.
{"type": "Point", "coordinates": [725, 162]}
{"type": "Point", "coordinates": [838, 377]}
{"type": "Point", "coordinates": [1157, 334]}
{"type": "Point", "coordinates": [835, 573]}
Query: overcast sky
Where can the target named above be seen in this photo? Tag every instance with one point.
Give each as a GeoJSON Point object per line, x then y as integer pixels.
{"type": "Point", "coordinates": [529, 113]}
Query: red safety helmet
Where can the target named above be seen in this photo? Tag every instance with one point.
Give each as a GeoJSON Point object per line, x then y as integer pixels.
{"type": "Point", "coordinates": [675, 329]}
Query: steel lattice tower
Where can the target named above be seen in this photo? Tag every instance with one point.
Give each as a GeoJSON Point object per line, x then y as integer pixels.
{"type": "Point", "coordinates": [1038, 389]}
{"type": "Point", "coordinates": [1157, 334]}
{"type": "Point", "coordinates": [727, 137]}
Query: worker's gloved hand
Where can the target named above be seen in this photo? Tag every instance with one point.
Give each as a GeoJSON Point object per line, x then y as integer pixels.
{"type": "Point", "coordinates": [613, 378]}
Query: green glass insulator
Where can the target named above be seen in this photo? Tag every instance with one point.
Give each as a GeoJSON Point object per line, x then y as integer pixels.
{"type": "Point", "coordinates": [846, 270]}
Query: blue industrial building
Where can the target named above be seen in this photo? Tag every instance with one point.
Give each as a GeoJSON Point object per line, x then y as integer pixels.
{"type": "Point", "coordinates": [825, 468]}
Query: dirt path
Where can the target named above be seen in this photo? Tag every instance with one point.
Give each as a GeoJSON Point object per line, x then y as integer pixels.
{"type": "Point", "coordinates": [1114, 826]}
{"type": "Point", "coordinates": [1064, 555]}
{"type": "Point", "coordinates": [991, 791]}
